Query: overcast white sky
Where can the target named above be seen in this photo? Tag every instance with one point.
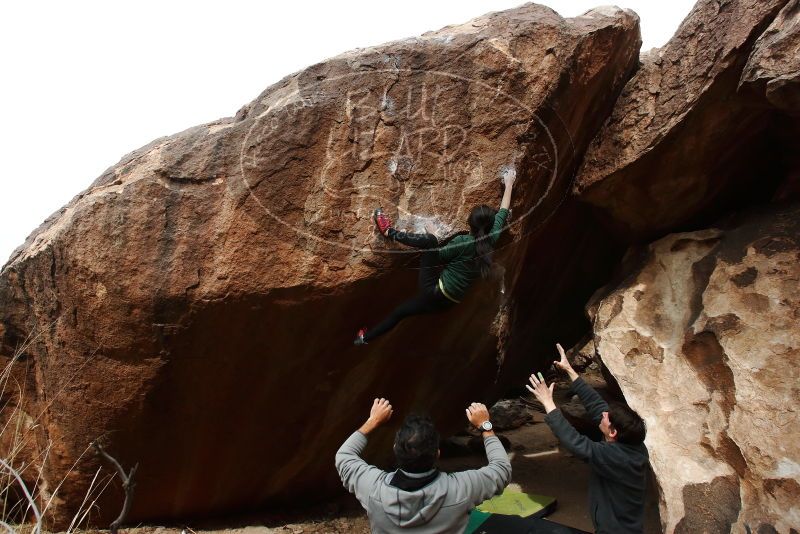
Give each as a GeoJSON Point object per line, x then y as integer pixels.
{"type": "Point", "coordinates": [85, 82]}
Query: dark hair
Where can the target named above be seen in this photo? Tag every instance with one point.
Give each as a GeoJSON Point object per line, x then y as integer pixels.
{"type": "Point", "coordinates": [629, 425]}
{"type": "Point", "coordinates": [416, 445]}
{"type": "Point", "coordinates": [481, 220]}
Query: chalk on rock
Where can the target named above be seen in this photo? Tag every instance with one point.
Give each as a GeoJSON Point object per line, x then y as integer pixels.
{"type": "Point", "coordinates": [509, 170]}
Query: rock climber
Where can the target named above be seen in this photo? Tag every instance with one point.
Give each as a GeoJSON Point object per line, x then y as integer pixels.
{"type": "Point", "coordinates": [446, 270]}
{"type": "Point", "coordinates": [619, 463]}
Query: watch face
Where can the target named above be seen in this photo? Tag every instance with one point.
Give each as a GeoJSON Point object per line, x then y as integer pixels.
{"type": "Point", "coordinates": [486, 426]}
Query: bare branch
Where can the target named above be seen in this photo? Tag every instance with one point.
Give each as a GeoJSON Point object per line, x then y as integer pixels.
{"type": "Point", "coordinates": [38, 528]}
{"type": "Point", "coordinates": [127, 484]}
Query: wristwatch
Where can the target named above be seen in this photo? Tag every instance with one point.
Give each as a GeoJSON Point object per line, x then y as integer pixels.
{"type": "Point", "coordinates": [486, 426]}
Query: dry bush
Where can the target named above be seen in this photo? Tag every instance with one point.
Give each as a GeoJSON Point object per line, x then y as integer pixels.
{"type": "Point", "coordinates": [25, 497]}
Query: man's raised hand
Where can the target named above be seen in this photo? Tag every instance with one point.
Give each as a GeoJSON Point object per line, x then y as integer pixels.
{"type": "Point", "coordinates": [542, 391]}
{"type": "Point", "coordinates": [564, 364]}
{"type": "Point", "coordinates": [380, 412]}
{"type": "Point", "coordinates": [477, 414]}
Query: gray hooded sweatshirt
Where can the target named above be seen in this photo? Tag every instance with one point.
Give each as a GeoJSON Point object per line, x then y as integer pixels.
{"type": "Point", "coordinates": [441, 506]}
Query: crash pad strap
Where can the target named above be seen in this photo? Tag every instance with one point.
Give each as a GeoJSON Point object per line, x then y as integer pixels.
{"type": "Point", "coordinates": [485, 523]}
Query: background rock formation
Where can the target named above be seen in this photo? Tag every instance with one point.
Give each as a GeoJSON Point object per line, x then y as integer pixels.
{"type": "Point", "coordinates": [195, 307]}
{"type": "Point", "coordinates": [703, 340]}
{"type": "Point", "coordinates": [682, 147]}
{"type": "Point", "coordinates": [700, 336]}
{"type": "Point", "coordinates": [773, 66]}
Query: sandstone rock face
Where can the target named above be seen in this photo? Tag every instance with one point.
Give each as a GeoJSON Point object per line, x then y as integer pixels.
{"type": "Point", "coordinates": [704, 341]}
{"type": "Point", "coordinates": [681, 143]}
{"type": "Point", "coordinates": [195, 307]}
{"type": "Point", "coordinates": [774, 65]}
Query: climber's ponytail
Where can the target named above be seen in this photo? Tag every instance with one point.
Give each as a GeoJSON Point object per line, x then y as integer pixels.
{"type": "Point", "coordinates": [481, 220]}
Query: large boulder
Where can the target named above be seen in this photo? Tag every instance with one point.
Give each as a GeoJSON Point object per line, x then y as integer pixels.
{"type": "Point", "coordinates": [683, 146]}
{"type": "Point", "coordinates": [195, 307]}
{"type": "Point", "coordinates": [703, 339]}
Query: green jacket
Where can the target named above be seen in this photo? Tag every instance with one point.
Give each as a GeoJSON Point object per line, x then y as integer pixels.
{"type": "Point", "coordinates": [459, 258]}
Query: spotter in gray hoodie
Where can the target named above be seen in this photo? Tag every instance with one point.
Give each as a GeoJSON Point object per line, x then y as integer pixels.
{"type": "Point", "coordinates": [441, 506]}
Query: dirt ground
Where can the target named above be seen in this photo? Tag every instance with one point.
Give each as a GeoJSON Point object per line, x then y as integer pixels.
{"type": "Point", "coordinates": [538, 467]}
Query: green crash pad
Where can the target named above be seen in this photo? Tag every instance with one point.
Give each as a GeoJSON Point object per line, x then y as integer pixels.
{"type": "Point", "coordinates": [518, 503]}
{"type": "Point", "coordinates": [510, 503]}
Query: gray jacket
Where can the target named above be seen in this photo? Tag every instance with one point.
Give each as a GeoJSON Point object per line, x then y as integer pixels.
{"type": "Point", "coordinates": [441, 506]}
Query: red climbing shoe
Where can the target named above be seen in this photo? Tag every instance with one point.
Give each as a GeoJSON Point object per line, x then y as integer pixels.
{"type": "Point", "coordinates": [360, 337]}
{"type": "Point", "coordinates": [382, 221]}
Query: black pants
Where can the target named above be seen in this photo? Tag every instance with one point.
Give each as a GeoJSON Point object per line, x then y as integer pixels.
{"type": "Point", "coordinates": [429, 298]}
